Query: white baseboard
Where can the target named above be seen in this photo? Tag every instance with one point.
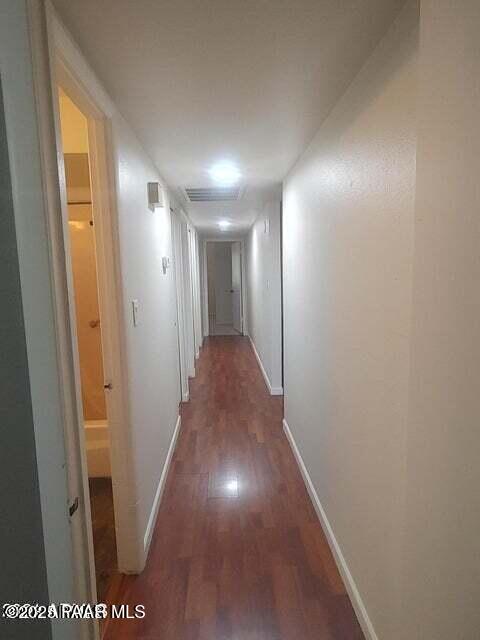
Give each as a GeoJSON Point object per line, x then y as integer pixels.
{"type": "Point", "coordinates": [351, 587]}
{"type": "Point", "coordinates": [161, 486]}
{"type": "Point", "coordinates": [274, 391]}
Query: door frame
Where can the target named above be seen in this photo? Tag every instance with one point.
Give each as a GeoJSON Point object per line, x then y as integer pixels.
{"type": "Point", "coordinates": [53, 71]}
{"type": "Point", "coordinates": [180, 286]}
{"type": "Point", "coordinates": [107, 249]}
{"type": "Point", "coordinates": [193, 242]}
{"type": "Point", "coordinates": [241, 285]}
{"type": "Point", "coordinates": [243, 296]}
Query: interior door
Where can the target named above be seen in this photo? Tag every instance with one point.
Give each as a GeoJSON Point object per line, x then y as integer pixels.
{"type": "Point", "coordinates": [223, 284]}
{"type": "Point", "coordinates": [237, 286]}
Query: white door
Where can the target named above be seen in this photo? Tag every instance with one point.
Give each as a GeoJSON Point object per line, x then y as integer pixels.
{"type": "Point", "coordinates": [237, 287]}
{"type": "Point", "coordinates": [223, 284]}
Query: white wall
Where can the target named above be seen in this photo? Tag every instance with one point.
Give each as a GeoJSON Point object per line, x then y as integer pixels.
{"type": "Point", "coordinates": [442, 558]}
{"type": "Point", "coordinates": [348, 248]}
{"type": "Point", "coordinates": [152, 346]}
{"type": "Point", "coordinates": [263, 281]}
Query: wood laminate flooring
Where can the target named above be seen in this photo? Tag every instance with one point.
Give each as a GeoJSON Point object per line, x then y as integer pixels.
{"type": "Point", "coordinates": [238, 552]}
{"type": "Point", "coordinates": [104, 543]}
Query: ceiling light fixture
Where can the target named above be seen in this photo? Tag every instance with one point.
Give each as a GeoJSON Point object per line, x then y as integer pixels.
{"type": "Point", "coordinates": [225, 174]}
{"type": "Point", "coordinates": [224, 224]}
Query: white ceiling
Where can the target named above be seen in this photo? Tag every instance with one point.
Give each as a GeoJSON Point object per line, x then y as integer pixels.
{"type": "Point", "coordinates": [248, 81]}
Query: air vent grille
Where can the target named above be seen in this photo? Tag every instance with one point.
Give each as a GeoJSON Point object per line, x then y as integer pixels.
{"type": "Point", "coordinates": [212, 194]}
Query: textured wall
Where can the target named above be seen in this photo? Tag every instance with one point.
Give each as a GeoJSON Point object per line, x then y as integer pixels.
{"type": "Point", "coordinates": [348, 248]}
{"type": "Point", "coordinates": [263, 274]}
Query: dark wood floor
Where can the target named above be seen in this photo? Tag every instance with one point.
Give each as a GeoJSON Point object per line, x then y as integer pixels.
{"type": "Point", "coordinates": [104, 542]}
{"type": "Point", "coordinates": [237, 553]}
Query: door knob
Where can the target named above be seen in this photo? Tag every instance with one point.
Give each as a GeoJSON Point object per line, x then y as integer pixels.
{"type": "Point", "coordinates": [108, 385]}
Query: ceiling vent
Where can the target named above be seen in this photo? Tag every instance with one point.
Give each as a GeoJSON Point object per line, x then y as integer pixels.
{"type": "Point", "coordinates": [213, 194]}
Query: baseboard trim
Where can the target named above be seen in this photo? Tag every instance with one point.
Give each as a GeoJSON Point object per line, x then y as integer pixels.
{"type": "Point", "coordinates": [274, 391]}
{"type": "Point", "coordinates": [351, 587]}
{"type": "Point", "coordinates": [161, 486]}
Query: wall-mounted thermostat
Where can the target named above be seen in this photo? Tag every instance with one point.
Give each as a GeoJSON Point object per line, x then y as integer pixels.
{"type": "Point", "coordinates": [155, 195]}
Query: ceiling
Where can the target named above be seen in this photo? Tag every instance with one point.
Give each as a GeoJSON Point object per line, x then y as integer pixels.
{"type": "Point", "coordinates": [245, 81]}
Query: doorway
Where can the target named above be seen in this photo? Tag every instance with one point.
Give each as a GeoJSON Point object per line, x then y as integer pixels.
{"type": "Point", "coordinates": [224, 287]}
{"type": "Point", "coordinates": [85, 257]}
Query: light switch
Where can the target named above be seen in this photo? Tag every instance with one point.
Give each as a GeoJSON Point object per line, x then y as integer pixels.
{"type": "Point", "coordinates": [135, 312]}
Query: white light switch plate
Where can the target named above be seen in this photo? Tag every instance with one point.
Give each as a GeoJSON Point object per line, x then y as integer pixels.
{"type": "Point", "coordinates": [135, 312]}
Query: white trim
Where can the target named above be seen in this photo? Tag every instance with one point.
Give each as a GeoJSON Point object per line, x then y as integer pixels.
{"type": "Point", "coordinates": [195, 291]}
{"type": "Point", "coordinates": [352, 589]}
{"type": "Point", "coordinates": [34, 187]}
{"type": "Point", "coordinates": [274, 391]}
{"type": "Point", "coordinates": [204, 267]}
{"type": "Point", "coordinates": [69, 70]}
{"type": "Point", "coordinates": [161, 486]}
{"type": "Point", "coordinates": [206, 330]}
{"type": "Point", "coordinates": [188, 298]}
{"type": "Point", "coordinates": [177, 222]}
{"type": "Point", "coordinates": [243, 250]}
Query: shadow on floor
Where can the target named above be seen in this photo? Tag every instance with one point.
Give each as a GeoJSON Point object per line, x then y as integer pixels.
{"type": "Point", "coordinates": [104, 542]}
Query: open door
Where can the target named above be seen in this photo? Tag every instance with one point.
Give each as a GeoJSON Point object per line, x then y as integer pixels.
{"type": "Point", "coordinates": [237, 287]}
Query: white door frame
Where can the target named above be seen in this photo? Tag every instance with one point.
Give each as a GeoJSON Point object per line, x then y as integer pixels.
{"type": "Point", "coordinates": [180, 290]}
{"type": "Point", "coordinates": [205, 280]}
{"type": "Point", "coordinates": [188, 300]}
{"type": "Point", "coordinates": [110, 304]}
{"type": "Point", "coordinates": [33, 166]}
{"type": "Point", "coordinates": [53, 72]}
{"type": "Point", "coordinates": [195, 286]}
{"type": "Point", "coordinates": [234, 247]}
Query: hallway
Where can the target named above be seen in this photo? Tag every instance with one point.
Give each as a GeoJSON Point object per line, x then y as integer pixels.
{"type": "Point", "coordinates": [238, 552]}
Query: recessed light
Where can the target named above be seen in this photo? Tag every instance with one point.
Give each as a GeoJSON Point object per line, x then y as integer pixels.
{"type": "Point", "coordinates": [224, 224]}
{"type": "Point", "coordinates": [225, 174]}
